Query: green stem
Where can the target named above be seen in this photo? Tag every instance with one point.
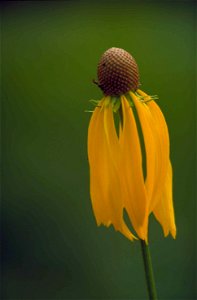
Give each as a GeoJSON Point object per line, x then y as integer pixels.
{"type": "Point", "coordinates": [148, 271]}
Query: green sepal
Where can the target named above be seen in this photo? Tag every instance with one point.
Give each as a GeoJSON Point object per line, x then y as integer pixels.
{"type": "Point", "coordinates": [129, 99]}
{"type": "Point", "coordinates": [142, 98]}
{"type": "Point", "coordinates": [115, 103]}
{"type": "Point", "coordinates": [89, 111]}
{"type": "Point", "coordinates": [94, 102]}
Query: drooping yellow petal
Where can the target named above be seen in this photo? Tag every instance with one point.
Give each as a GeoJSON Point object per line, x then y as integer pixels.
{"type": "Point", "coordinates": [105, 185]}
{"type": "Point", "coordinates": [95, 131]}
{"type": "Point", "coordinates": [164, 211]}
{"type": "Point", "coordinates": [116, 196]}
{"type": "Point", "coordinates": [135, 200]}
{"type": "Point", "coordinates": [151, 145]}
{"type": "Point", "coordinates": [112, 189]}
{"type": "Point", "coordinates": [162, 202]}
{"type": "Point", "coordinates": [160, 130]}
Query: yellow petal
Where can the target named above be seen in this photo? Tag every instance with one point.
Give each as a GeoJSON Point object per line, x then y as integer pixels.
{"type": "Point", "coordinates": [160, 130]}
{"type": "Point", "coordinates": [164, 211]}
{"type": "Point", "coordinates": [103, 153]}
{"type": "Point", "coordinates": [150, 142]}
{"type": "Point", "coordinates": [99, 203]}
{"type": "Point", "coordinates": [135, 200]}
{"type": "Point", "coordinates": [115, 197]}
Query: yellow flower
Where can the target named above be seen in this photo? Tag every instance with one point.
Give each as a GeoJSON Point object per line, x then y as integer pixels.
{"type": "Point", "coordinates": [122, 177]}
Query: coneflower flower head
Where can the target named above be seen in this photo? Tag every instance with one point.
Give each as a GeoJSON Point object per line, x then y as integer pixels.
{"type": "Point", "coordinates": [117, 72]}
{"type": "Point", "coordinates": [117, 179]}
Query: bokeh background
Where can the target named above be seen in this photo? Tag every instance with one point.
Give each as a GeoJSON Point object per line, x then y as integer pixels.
{"type": "Point", "coordinates": [52, 248]}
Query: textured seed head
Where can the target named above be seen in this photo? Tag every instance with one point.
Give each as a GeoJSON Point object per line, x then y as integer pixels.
{"type": "Point", "coordinates": [117, 72]}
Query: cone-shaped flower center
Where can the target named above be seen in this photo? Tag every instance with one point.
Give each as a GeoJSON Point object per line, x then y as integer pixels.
{"type": "Point", "coordinates": [117, 72]}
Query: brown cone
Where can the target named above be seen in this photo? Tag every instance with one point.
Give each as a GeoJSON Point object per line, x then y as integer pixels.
{"type": "Point", "coordinates": [117, 72]}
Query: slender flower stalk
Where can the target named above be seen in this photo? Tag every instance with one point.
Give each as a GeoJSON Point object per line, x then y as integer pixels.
{"type": "Point", "coordinates": [152, 292]}
{"type": "Point", "coordinates": [122, 177]}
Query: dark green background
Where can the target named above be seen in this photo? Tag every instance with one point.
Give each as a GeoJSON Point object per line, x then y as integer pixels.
{"type": "Point", "coordinates": [52, 248]}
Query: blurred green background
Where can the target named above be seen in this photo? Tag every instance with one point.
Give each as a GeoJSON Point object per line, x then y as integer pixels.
{"type": "Point", "coordinates": [52, 248]}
